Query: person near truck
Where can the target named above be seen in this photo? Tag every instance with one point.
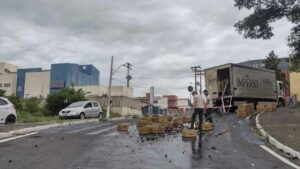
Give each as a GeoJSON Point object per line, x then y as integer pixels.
{"type": "Point", "coordinates": [199, 106]}
{"type": "Point", "coordinates": [209, 106]}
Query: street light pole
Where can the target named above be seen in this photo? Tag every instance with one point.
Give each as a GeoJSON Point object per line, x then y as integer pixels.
{"type": "Point", "coordinates": [109, 89]}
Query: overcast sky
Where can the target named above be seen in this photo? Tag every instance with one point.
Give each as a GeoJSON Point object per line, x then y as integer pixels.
{"type": "Point", "coordinates": [162, 39]}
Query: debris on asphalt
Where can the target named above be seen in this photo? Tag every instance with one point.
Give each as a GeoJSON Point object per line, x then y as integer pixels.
{"type": "Point", "coordinates": [222, 132]}
{"type": "Point", "coordinates": [253, 165]}
{"type": "Point", "coordinates": [213, 148]}
{"type": "Point", "coordinates": [209, 156]}
{"type": "Point", "coordinates": [9, 161]}
{"type": "Point", "coordinates": [35, 146]}
{"type": "Point", "coordinates": [62, 138]}
{"type": "Point", "coordinates": [170, 161]}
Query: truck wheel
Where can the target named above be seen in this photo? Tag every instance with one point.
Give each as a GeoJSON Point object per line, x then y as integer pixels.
{"type": "Point", "coordinates": [280, 103]}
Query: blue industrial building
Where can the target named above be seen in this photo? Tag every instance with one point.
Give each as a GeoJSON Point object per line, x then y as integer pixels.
{"type": "Point", "coordinates": [65, 75]}
{"type": "Point", "coordinates": [21, 77]}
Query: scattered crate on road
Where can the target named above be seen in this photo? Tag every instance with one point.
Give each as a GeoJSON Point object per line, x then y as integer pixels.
{"type": "Point", "coordinates": [141, 123]}
{"type": "Point", "coordinates": [145, 130]}
{"type": "Point", "coordinates": [207, 126]}
{"type": "Point", "coordinates": [269, 107]}
{"type": "Point", "coordinates": [245, 110]}
{"type": "Point", "coordinates": [189, 133]}
{"type": "Point", "coordinates": [164, 119]}
{"type": "Point", "coordinates": [158, 129]}
{"type": "Point", "coordinates": [123, 127]}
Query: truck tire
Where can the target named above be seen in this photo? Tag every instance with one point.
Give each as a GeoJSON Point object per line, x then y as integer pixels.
{"type": "Point", "coordinates": [280, 103]}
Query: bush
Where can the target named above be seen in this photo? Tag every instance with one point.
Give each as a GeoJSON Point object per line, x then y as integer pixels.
{"type": "Point", "coordinates": [17, 101]}
{"type": "Point", "coordinates": [2, 92]}
{"type": "Point", "coordinates": [32, 105]}
{"type": "Point", "coordinates": [57, 101]}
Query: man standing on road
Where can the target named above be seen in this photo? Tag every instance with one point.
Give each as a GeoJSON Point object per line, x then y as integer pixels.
{"type": "Point", "coordinates": [209, 106]}
{"type": "Point", "coordinates": [199, 106]}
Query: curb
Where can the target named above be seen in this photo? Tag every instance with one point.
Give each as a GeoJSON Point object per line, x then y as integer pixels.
{"type": "Point", "coordinates": [38, 128]}
{"type": "Point", "coordinates": [274, 142]}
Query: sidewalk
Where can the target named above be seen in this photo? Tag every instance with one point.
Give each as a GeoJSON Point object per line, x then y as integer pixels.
{"type": "Point", "coordinates": [17, 126]}
{"type": "Point", "coordinates": [284, 126]}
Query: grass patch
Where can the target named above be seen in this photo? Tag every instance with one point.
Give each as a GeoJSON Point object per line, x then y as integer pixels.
{"type": "Point", "coordinates": [112, 114]}
{"type": "Point", "coordinates": [26, 117]}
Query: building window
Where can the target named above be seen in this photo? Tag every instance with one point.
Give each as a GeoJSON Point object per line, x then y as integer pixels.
{"type": "Point", "coordinates": [6, 84]}
{"type": "Point", "coordinates": [19, 89]}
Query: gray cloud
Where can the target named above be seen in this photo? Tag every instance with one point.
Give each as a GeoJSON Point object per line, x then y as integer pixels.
{"type": "Point", "coordinates": [162, 39]}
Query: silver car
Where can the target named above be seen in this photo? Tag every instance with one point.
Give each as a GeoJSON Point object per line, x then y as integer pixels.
{"type": "Point", "coordinates": [81, 109]}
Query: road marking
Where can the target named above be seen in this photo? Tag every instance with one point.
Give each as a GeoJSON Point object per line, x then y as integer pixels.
{"type": "Point", "coordinates": [87, 128]}
{"type": "Point", "coordinates": [286, 161]}
{"type": "Point", "coordinates": [13, 138]}
{"type": "Point", "coordinates": [101, 131]}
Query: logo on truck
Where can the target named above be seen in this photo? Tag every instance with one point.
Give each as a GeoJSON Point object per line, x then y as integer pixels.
{"type": "Point", "coordinates": [247, 82]}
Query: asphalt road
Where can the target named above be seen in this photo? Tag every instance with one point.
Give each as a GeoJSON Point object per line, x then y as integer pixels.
{"type": "Point", "coordinates": [232, 145]}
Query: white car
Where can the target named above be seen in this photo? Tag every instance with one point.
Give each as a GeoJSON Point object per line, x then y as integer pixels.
{"type": "Point", "coordinates": [8, 113]}
{"type": "Point", "coordinates": [82, 110]}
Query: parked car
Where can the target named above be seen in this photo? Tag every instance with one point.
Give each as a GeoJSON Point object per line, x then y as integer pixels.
{"type": "Point", "coordinates": [82, 110]}
{"type": "Point", "coordinates": [8, 113]}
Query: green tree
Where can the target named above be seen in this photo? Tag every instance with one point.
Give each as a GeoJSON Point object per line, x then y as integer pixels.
{"type": "Point", "coordinates": [272, 63]}
{"type": "Point", "coordinates": [2, 92]}
{"type": "Point", "coordinates": [57, 101]}
{"type": "Point", "coordinates": [32, 105]}
{"type": "Point", "coordinates": [257, 24]}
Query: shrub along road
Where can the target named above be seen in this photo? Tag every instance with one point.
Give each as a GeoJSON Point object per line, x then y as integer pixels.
{"type": "Point", "coordinates": [231, 145]}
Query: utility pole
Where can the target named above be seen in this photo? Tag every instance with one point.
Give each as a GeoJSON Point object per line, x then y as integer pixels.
{"type": "Point", "coordinates": [109, 89]}
{"type": "Point", "coordinates": [128, 77]}
{"type": "Point", "coordinates": [197, 70]}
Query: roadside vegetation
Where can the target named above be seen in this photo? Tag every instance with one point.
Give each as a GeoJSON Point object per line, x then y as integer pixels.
{"type": "Point", "coordinates": [40, 109]}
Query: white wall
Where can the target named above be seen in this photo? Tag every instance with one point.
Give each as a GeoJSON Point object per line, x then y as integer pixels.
{"type": "Point", "coordinates": [162, 102]}
{"type": "Point", "coordinates": [37, 84]}
{"type": "Point", "coordinates": [8, 82]}
{"type": "Point", "coordinates": [6, 68]}
{"type": "Point", "coordinates": [98, 90]}
{"type": "Point", "coordinates": [125, 111]}
{"type": "Point", "coordinates": [95, 90]}
{"type": "Point", "coordinates": [121, 91]}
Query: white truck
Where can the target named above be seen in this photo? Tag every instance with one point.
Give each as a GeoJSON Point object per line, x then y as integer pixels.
{"type": "Point", "coordinates": [231, 84]}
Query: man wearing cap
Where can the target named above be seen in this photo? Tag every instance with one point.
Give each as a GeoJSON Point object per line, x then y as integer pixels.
{"type": "Point", "coordinates": [199, 106]}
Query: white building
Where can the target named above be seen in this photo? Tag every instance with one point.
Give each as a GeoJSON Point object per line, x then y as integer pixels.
{"type": "Point", "coordinates": [98, 90]}
{"type": "Point", "coordinates": [37, 84]}
{"type": "Point", "coordinates": [183, 105]}
{"type": "Point", "coordinates": [162, 102]}
{"type": "Point", "coordinates": [8, 78]}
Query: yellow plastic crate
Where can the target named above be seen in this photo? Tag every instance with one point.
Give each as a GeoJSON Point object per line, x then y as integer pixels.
{"type": "Point", "coordinates": [189, 133]}
{"type": "Point", "coordinates": [207, 126]}
{"type": "Point", "coordinates": [123, 127]}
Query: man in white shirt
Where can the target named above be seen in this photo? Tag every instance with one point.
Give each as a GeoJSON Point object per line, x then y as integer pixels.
{"type": "Point", "coordinates": [199, 106]}
{"type": "Point", "coordinates": [209, 106]}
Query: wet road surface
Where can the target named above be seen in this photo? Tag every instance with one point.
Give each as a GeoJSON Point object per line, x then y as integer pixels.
{"type": "Point", "coordinates": [231, 145]}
